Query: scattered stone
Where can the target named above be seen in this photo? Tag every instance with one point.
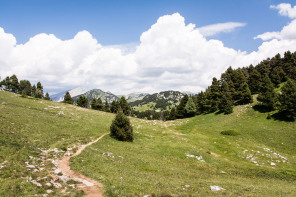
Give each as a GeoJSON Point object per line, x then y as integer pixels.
{"type": "Point", "coordinates": [272, 164]}
{"type": "Point", "coordinates": [36, 183]}
{"type": "Point", "coordinates": [64, 178]}
{"type": "Point", "coordinates": [57, 171]}
{"type": "Point", "coordinates": [49, 191]}
{"type": "Point", "coordinates": [216, 188]}
{"type": "Point", "coordinates": [48, 184]}
{"type": "Point", "coordinates": [61, 113]}
{"type": "Point", "coordinates": [31, 166]}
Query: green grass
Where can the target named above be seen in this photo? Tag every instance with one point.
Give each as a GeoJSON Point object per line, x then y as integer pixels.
{"type": "Point", "coordinates": [28, 126]}
{"type": "Point", "coordinates": [178, 158]}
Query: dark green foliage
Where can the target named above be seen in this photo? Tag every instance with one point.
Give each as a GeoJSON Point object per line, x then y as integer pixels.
{"type": "Point", "coordinates": [33, 90]}
{"type": "Point", "coordinates": [124, 106]}
{"type": "Point", "coordinates": [287, 100]}
{"type": "Point", "coordinates": [39, 91]}
{"type": "Point", "coordinates": [25, 87]}
{"type": "Point", "coordinates": [82, 101]}
{"type": "Point", "coordinates": [181, 111]}
{"type": "Point", "coordinates": [226, 104]}
{"type": "Point", "coordinates": [215, 95]}
{"type": "Point", "coordinates": [267, 96]}
{"type": "Point", "coordinates": [97, 104]}
{"type": "Point", "coordinates": [190, 108]}
{"type": "Point", "coordinates": [172, 115]}
{"type": "Point", "coordinates": [230, 132]}
{"type": "Point", "coordinates": [106, 106]}
{"type": "Point", "coordinates": [14, 84]}
{"type": "Point", "coordinates": [253, 80]}
{"type": "Point", "coordinates": [121, 128]}
{"type": "Point", "coordinates": [114, 106]}
{"type": "Point", "coordinates": [68, 99]}
{"type": "Point", "coordinates": [46, 96]}
{"type": "Point", "coordinates": [243, 95]}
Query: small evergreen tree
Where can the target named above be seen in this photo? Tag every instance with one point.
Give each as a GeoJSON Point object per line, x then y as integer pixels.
{"type": "Point", "coordinates": [267, 96]}
{"type": "Point", "coordinates": [121, 128]}
{"type": "Point", "coordinates": [33, 90]}
{"type": "Point", "coordinates": [25, 87]}
{"type": "Point", "coordinates": [106, 106]}
{"type": "Point", "coordinates": [46, 96]}
{"type": "Point", "coordinates": [82, 101]}
{"type": "Point", "coordinates": [14, 84]}
{"type": "Point", "coordinates": [124, 106]}
{"type": "Point", "coordinates": [100, 104]}
{"type": "Point", "coordinates": [172, 115]}
{"type": "Point", "coordinates": [94, 104]}
{"type": "Point", "coordinates": [190, 108]}
{"type": "Point", "coordinates": [244, 95]}
{"type": "Point", "coordinates": [68, 99]}
{"type": "Point", "coordinates": [226, 104]}
{"type": "Point", "coordinates": [181, 111]}
{"type": "Point", "coordinates": [39, 91]}
{"type": "Point", "coordinates": [114, 106]}
{"type": "Point", "coordinates": [287, 100]}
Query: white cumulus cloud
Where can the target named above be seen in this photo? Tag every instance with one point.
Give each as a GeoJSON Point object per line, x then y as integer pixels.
{"type": "Point", "coordinates": [285, 9]}
{"type": "Point", "coordinates": [170, 55]}
{"type": "Point", "coordinates": [214, 29]}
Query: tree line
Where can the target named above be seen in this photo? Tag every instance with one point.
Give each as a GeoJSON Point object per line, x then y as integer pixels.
{"type": "Point", "coordinates": [23, 87]}
{"type": "Point", "coordinates": [236, 87]}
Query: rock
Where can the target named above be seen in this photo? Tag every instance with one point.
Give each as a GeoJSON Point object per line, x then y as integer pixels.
{"type": "Point", "coordinates": [272, 164]}
{"type": "Point", "coordinates": [49, 191]}
{"type": "Point", "coordinates": [30, 166]}
{"type": "Point", "coordinates": [57, 171]}
{"type": "Point", "coordinates": [64, 178]}
{"type": "Point", "coordinates": [216, 188]}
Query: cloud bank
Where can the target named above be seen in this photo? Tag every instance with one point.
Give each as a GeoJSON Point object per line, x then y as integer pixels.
{"type": "Point", "coordinates": [170, 55]}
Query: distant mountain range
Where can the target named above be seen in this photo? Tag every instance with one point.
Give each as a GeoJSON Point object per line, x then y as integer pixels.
{"type": "Point", "coordinates": [97, 93]}
{"type": "Point", "coordinates": [74, 92]}
{"type": "Point", "coordinates": [161, 100]}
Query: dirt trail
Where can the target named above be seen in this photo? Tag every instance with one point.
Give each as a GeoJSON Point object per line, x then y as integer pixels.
{"type": "Point", "coordinates": [91, 187]}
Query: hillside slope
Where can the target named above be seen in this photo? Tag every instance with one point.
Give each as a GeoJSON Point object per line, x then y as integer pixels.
{"type": "Point", "coordinates": [97, 93]}
{"type": "Point", "coordinates": [174, 158]}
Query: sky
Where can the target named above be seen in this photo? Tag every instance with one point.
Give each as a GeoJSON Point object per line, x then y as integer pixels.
{"type": "Point", "coordinates": [139, 45]}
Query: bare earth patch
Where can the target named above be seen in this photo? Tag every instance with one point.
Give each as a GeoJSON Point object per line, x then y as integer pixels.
{"type": "Point", "coordinates": [91, 187]}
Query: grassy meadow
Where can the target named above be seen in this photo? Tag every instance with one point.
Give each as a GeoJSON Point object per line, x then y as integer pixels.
{"type": "Point", "coordinates": [173, 158]}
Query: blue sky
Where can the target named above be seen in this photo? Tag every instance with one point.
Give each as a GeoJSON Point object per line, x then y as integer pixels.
{"type": "Point", "coordinates": [122, 21]}
{"type": "Point", "coordinates": [143, 45]}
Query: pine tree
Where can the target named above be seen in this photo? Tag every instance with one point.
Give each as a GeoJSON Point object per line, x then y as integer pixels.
{"type": "Point", "coordinates": [33, 90]}
{"type": "Point", "coordinates": [14, 84]}
{"type": "Point", "coordinates": [226, 104]}
{"type": "Point", "coordinates": [82, 101]}
{"type": "Point", "coordinates": [68, 99]}
{"type": "Point", "coordinates": [267, 96]}
{"type": "Point", "coordinates": [39, 91]}
{"type": "Point", "coordinates": [100, 104]}
{"type": "Point", "coordinates": [46, 96]}
{"type": "Point", "coordinates": [214, 95]}
{"type": "Point", "coordinates": [25, 87]}
{"type": "Point", "coordinates": [243, 94]}
{"type": "Point", "coordinates": [124, 106]}
{"type": "Point", "coordinates": [190, 108]}
{"type": "Point", "coordinates": [94, 104]}
{"type": "Point", "coordinates": [114, 106]}
{"type": "Point", "coordinates": [253, 80]}
{"type": "Point", "coordinates": [181, 111]}
{"type": "Point", "coordinates": [172, 115]}
{"type": "Point", "coordinates": [287, 100]}
{"type": "Point", "coordinates": [121, 128]}
{"type": "Point", "coordinates": [106, 107]}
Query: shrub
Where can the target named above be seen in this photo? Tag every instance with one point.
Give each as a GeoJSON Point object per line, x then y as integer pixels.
{"type": "Point", "coordinates": [230, 132]}
{"type": "Point", "coordinates": [121, 128]}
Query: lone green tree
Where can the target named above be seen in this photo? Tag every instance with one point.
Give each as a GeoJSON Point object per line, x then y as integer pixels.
{"type": "Point", "coordinates": [121, 128]}
{"type": "Point", "coordinates": [106, 106]}
{"type": "Point", "coordinates": [226, 104]}
{"type": "Point", "coordinates": [46, 96]}
{"type": "Point", "coordinates": [124, 106]}
{"type": "Point", "coordinates": [68, 99]}
{"type": "Point", "coordinates": [287, 100]}
{"type": "Point", "coordinates": [190, 107]}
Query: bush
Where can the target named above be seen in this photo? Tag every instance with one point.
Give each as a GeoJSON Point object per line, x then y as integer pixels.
{"type": "Point", "coordinates": [121, 128]}
{"type": "Point", "coordinates": [230, 132]}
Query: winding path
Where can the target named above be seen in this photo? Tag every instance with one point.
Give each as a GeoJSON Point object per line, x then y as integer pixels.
{"type": "Point", "coordinates": [91, 187]}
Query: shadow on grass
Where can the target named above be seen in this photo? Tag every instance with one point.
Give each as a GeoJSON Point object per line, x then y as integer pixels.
{"type": "Point", "coordinates": [262, 109]}
{"type": "Point", "coordinates": [281, 116]}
